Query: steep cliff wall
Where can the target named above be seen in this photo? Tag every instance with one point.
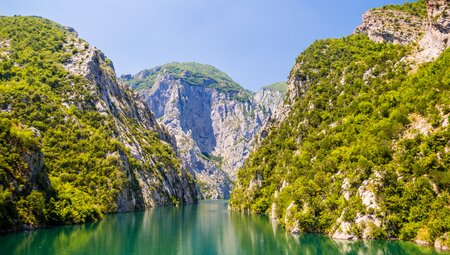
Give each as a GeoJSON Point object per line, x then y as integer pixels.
{"type": "Point", "coordinates": [97, 150]}
{"type": "Point", "coordinates": [212, 117]}
{"type": "Point", "coordinates": [425, 23]}
{"type": "Point", "coordinates": [113, 99]}
{"type": "Point", "coordinates": [360, 147]}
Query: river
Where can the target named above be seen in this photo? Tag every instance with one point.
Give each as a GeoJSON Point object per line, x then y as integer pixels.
{"type": "Point", "coordinates": [204, 228]}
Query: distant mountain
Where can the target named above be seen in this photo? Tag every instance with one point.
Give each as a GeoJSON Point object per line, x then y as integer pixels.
{"type": "Point", "coordinates": [278, 86]}
{"type": "Point", "coordinates": [193, 73]}
{"type": "Point", "coordinates": [213, 118]}
{"type": "Point", "coordinates": [74, 143]}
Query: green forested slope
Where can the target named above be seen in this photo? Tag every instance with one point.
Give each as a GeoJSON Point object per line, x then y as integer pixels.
{"type": "Point", "coordinates": [277, 86]}
{"type": "Point", "coordinates": [362, 119]}
{"type": "Point", "coordinates": [50, 128]}
{"type": "Point", "coordinates": [192, 73]}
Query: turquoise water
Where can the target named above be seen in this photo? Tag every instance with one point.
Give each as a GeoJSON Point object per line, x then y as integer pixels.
{"type": "Point", "coordinates": [206, 228]}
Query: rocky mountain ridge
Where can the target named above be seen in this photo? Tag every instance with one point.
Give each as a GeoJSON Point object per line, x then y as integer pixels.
{"type": "Point", "coordinates": [426, 23]}
{"type": "Point", "coordinates": [116, 100]}
{"type": "Point", "coordinates": [75, 143]}
{"type": "Point", "coordinates": [214, 119]}
{"type": "Point", "coordinates": [347, 137]}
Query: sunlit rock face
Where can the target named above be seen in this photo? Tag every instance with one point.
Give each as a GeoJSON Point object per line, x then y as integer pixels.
{"type": "Point", "coordinates": [213, 119]}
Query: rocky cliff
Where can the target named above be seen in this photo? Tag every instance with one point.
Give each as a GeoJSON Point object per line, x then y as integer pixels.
{"type": "Point", "coordinates": [92, 148]}
{"type": "Point", "coordinates": [425, 23]}
{"type": "Point", "coordinates": [212, 118]}
{"type": "Point", "coordinates": [361, 142]}
{"type": "Point", "coordinates": [113, 99]}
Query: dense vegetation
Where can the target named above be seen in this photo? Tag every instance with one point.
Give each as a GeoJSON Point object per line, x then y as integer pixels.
{"type": "Point", "coordinates": [49, 127]}
{"type": "Point", "coordinates": [277, 86]}
{"type": "Point", "coordinates": [417, 8]}
{"type": "Point", "coordinates": [357, 117]}
{"type": "Point", "coordinates": [194, 74]}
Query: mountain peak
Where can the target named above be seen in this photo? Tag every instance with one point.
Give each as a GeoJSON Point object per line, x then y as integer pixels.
{"type": "Point", "coordinates": [425, 22]}
{"type": "Point", "coordinates": [398, 24]}
{"type": "Point", "coordinates": [192, 73]}
{"type": "Point", "coordinates": [277, 87]}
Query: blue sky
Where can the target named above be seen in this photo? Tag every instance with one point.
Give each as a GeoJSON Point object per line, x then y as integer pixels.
{"type": "Point", "coordinates": [254, 41]}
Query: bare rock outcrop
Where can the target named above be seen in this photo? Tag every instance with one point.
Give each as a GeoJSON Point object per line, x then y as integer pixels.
{"type": "Point", "coordinates": [212, 118]}
{"type": "Point", "coordinates": [391, 26]}
{"type": "Point", "coordinates": [111, 98]}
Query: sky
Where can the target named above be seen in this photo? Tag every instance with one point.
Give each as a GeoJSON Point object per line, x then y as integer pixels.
{"type": "Point", "coordinates": [255, 42]}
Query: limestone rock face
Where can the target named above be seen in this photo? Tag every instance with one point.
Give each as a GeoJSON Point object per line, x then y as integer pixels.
{"type": "Point", "coordinates": [344, 232]}
{"type": "Point", "coordinates": [391, 26]}
{"type": "Point", "coordinates": [364, 224]}
{"type": "Point", "coordinates": [430, 31]}
{"type": "Point", "coordinates": [144, 188]}
{"type": "Point", "coordinates": [212, 118]}
{"type": "Point", "coordinates": [443, 242]}
{"type": "Point", "coordinates": [438, 15]}
{"type": "Point", "coordinates": [436, 37]}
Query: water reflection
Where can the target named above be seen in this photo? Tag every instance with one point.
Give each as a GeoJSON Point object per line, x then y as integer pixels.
{"type": "Point", "coordinates": [206, 228]}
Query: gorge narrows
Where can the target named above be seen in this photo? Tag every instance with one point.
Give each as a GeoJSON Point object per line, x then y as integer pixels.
{"type": "Point", "coordinates": [213, 119]}
{"type": "Point", "coordinates": [351, 155]}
